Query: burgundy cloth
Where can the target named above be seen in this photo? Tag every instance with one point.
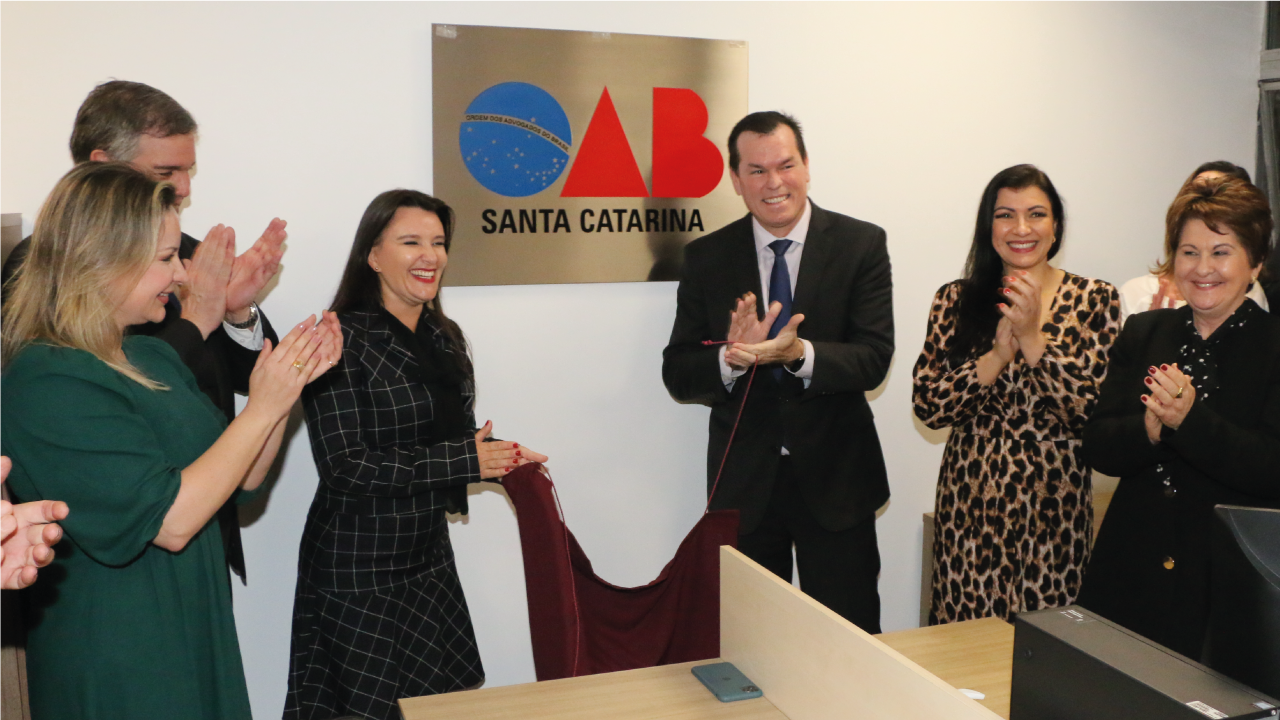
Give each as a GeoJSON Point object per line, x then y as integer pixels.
{"type": "Point", "coordinates": [674, 619]}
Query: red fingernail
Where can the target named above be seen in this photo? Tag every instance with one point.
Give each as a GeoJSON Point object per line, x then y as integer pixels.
{"type": "Point", "coordinates": [1148, 381]}
{"type": "Point", "coordinates": [1164, 367]}
{"type": "Point", "coordinates": [515, 445]}
{"type": "Point", "coordinates": [518, 453]}
{"type": "Point", "coordinates": [1005, 290]}
{"type": "Point", "coordinates": [1152, 369]}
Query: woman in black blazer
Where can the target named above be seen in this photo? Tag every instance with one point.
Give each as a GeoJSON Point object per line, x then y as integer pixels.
{"type": "Point", "coordinates": [1189, 417]}
{"type": "Point", "coordinates": [379, 613]}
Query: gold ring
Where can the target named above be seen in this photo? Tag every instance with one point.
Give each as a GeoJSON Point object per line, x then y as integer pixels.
{"type": "Point", "coordinates": [1175, 397]}
{"type": "Point", "coordinates": [298, 365]}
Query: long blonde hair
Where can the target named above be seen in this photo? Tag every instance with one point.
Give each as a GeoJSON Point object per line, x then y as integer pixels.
{"type": "Point", "coordinates": [94, 239]}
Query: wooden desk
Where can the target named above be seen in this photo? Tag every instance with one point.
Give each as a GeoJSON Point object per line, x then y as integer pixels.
{"type": "Point", "coordinates": [977, 655]}
{"type": "Point", "coordinates": [670, 692]}
{"type": "Point", "coordinates": [811, 663]}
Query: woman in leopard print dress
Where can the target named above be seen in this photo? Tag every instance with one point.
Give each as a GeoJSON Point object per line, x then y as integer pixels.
{"type": "Point", "coordinates": [1012, 362]}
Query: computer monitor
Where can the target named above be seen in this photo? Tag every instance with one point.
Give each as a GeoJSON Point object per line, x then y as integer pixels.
{"type": "Point", "coordinates": [1243, 640]}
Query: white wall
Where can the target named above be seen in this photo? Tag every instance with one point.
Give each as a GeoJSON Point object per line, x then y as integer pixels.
{"type": "Point", "coordinates": [309, 110]}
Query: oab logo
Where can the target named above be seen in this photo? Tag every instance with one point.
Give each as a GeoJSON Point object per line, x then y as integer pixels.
{"type": "Point", "coordinates": [516, 142]}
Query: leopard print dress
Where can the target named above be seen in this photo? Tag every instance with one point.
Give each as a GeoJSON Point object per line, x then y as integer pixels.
{"type": "Point", "coordinates": [1014, 511]}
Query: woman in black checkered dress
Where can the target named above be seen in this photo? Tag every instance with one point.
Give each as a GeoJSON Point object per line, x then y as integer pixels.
{"type": "Point", "coordinates": [379, 614]}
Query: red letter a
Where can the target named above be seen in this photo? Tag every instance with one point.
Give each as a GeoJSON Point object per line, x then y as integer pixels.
{"type": "Point", "coordinates": [685, 163]}
{"type": "Point", "coordinates": [605, 165]}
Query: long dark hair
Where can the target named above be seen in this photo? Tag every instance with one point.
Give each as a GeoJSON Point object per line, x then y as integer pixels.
{"type": "Point", "coordinates": [983, 270]}
{"type": "Point", "coordinates": [360, 288]}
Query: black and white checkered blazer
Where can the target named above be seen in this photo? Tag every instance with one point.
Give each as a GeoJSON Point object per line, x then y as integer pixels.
{"type": "Point", "coordinates": [367, 419]}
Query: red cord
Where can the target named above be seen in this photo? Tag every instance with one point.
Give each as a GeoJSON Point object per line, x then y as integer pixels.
{"type": "Point", "coordinates": [736, 420]}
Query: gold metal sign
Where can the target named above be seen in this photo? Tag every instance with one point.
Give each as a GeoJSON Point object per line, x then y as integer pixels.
{"type": "Point", "coordinates": [575, 157]}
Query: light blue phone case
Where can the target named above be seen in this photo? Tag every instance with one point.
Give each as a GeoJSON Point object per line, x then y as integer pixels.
{"type": "Point", "coordinates": [726, 682]}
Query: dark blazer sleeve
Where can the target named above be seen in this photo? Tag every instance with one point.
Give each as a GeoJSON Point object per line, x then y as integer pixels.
{"type": "Point", "coordinates": [1115, 438]}
{"type": "Point", "coordinates": [184, 337]}
{"type": "Point", "coordinates": [691, 370]}
{"type": "Point", "coordinates": [860, 361]}
{"type": "Point", "coordinates": [240, 359]}
{"type": "Point", "coordinates": [345, 412]}
{"type": "Point", "coordinates": [1243, 459]}
{"type": "Point", "coordinates": [202, 355]}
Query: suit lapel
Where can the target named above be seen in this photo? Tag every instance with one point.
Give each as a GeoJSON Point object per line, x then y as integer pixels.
{"type": "Point", "coordinates": [813, 262]}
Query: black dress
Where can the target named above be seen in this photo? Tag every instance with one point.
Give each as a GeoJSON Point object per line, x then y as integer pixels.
{"type": "Point", "coordinates": [1150, 566]}
{"type": "Point", "coordinates": [379, 613]}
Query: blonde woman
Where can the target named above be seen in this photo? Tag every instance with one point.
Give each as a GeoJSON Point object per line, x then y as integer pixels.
{"type": "Point", "coordinates": [133, 619]}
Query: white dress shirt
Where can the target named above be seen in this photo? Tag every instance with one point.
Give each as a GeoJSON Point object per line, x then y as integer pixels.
{"type": "Point", "coordinates": [765, 259]}
{"type": "Point", "coordinates": [249, 338]}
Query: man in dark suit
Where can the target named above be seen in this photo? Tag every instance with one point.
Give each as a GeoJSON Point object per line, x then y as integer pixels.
{"type": "Point", "coordinates": [805, 465]}
{"type": "Point", "coordinates": [215, 325]}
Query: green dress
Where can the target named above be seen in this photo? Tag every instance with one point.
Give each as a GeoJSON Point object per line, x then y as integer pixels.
{"type": "Point", "coordinates": [119, 627]}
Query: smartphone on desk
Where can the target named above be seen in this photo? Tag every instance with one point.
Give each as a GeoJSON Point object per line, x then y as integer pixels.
{"type": "Point", "coordinates": [726, 682]}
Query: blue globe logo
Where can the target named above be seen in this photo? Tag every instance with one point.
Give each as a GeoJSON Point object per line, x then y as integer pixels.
{"type": "Point", "coordinates": [515, 139]}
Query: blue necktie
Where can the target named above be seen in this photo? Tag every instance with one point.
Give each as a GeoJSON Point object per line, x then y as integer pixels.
{"type": "Point", "coordinates": [780, 291]}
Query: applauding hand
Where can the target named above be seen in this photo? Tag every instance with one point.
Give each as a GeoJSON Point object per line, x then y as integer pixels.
{"type": "Point", "coordinates": [1003, 349]}
{"type": "Point", "coordinates": [251, 272]}
{"type": "Point", "coordinates": [1169, 399]}
{"type": "Point", "coordinates": [746, 328]}
{"type": "Point", "coordinates": [1022, 293]}
{"type": "Point", "coordinates": [1167, 294]}
{"type": "Point", "coordinates": [28, 533]}
{"type": "Point", "coordinates": [783, 349]}
{"type": "Point", "coordinates": [330, 343]}
{"type": "Point", "coordinates": [1006, 343]}
{"type": "Point", "coordinates": [204, 294]}
{"type": "Point", "coordinates": [303, 355]}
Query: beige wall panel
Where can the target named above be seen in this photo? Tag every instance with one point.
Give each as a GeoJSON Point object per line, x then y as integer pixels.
{"type": "Point", "coordinates": [813, 664]}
